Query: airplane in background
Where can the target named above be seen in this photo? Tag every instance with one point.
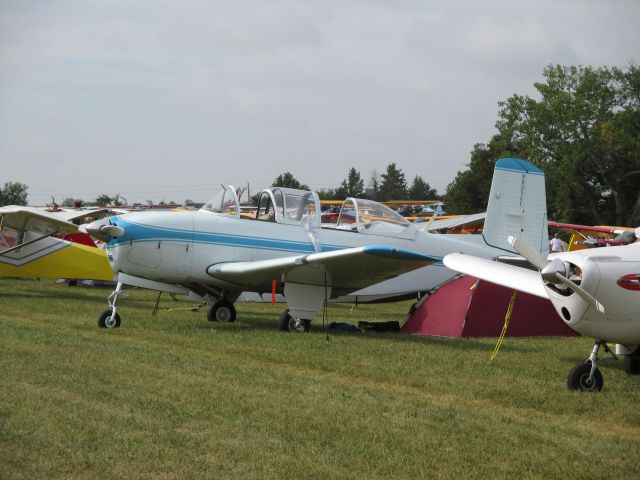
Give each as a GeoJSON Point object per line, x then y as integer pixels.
{"type": "Point", "coordinates": [371, 253]}
{"type": "Point", "coordinates": [597, 236]}
{"type": "Point", "coordinates": [595, 291]}
{"type": "Point", "coordinates": [43, 244]}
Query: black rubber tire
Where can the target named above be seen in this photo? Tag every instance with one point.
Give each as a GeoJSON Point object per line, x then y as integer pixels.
{"type": "Point", "coordinates": [105, 320]}
{"type": "Point", "coordinates": [577, 378]}
{"type": "Point", "coordinates": [221, 311]}
{"type": "Point", "coordinates": [283, 321]}
{"type": "Point", "coordinates": [632, 364]}
{"type": "Point", "coordinates": [293, 325]}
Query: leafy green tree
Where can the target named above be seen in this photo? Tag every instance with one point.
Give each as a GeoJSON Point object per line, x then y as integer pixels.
{"type": "Point", "coordinates": [287, 180]}
{"type": "Point", "coordinates": [13, 193]}
{"type": "Point", "coordinates": [327, 194]}
{"type": "Point", "coordinates": [393, 185]}
{"type": "Point", "coordinates": [584, 132]}
{"type": "Point", "coordinates": [421, 190]}
{"type": "Point", "coordinates": [103, 200]}
{"type": "Point", "coordinates": [469, 191]}
{"type": "Point", "coordinates": [352, 186]}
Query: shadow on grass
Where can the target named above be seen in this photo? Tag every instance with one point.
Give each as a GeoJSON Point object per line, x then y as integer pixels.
{"type": "Point", "coordinates": [257, 323]}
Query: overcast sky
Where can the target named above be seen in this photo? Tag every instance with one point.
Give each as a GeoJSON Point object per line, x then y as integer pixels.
{"type": "Point", "coordinates": [167, 99]}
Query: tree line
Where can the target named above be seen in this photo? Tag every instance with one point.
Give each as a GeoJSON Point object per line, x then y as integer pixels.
{"type": "Point", "coordinates": [583, 131]}
{"type": "Point", "coordinates": [390, 185]}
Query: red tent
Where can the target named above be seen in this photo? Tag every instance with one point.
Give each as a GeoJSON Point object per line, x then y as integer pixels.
{"type": "Point", "coordinates": [467, 307]}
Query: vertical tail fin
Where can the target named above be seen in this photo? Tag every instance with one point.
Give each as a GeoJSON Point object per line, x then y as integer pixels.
{"type": "Point", "coordinates": [517, 206]}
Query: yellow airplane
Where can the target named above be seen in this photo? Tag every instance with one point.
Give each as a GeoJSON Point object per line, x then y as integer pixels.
{"type": "Point", "coordinates": [31, 246]}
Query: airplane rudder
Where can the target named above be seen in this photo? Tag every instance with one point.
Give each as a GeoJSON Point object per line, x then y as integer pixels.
{"type": "Point", "coordinates": [517, 205]}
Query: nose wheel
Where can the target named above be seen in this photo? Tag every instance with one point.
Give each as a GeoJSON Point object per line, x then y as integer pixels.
{"type": "Point", "coordinates": [580, 378]}
{"type": "Point", "coordinates": [586, 377]}
{"type": "Point", "coordinates": [110, 318]}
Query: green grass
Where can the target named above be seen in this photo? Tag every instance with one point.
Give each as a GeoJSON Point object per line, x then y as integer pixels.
{"type": "Point", "coordinates": [179, 397]}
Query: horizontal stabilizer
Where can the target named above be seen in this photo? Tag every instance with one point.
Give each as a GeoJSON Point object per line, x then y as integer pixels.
{"type": "Point", "coordinates": [344, 270]}
{"type": "Point", "coordinates": [518, 278]}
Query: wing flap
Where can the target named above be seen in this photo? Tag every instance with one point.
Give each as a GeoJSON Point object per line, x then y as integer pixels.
{"type": "Point", "coordinates": [349, 269]}
{"type": "Point", "coordinates": [518, 278]}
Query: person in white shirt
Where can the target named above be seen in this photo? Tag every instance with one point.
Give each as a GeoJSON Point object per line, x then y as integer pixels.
{"type": "Point", "coordinates": [556, 245]}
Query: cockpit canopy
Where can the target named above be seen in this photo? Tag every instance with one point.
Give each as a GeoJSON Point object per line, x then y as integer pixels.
{"type": "Point", "coordinates": [289, 206]}
{"type": "Point", "coordinates": [276, 204]}
{"type": "Point", "coordinates": [367, 216]}
{"type": "Point", "coordinates": [225, 202]}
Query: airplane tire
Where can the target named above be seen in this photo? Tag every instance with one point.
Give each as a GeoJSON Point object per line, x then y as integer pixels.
{"type": "Point", "coordinates": [577, 379]}
{"type": "Point", "coordinates": [632, 364]}
{"type": "Point", "coordinates": [222, 311]}
{"type": "Point", "coordinates": [283, 321]}
{"type": "Point", "coordinates": [294, 325]}
{"type": "Point", "coordinates": [107, 321]}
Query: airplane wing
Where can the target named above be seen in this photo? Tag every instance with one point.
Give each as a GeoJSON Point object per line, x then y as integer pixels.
{"type": "Point", "coordinates": [457, 222]}
{"type": "Point", "coordinates": [33, 219]}
{"type": "Point", "coordinates": [586, 228]}
{"type": "Point", "coordinates": [79, 216]}
{"type": "Point", "coordinates": [518, 278]}
{"type": "Point", "coordinates": [346, 270]}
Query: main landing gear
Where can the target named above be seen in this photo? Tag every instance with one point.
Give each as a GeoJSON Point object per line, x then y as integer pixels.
{"type": "Point", "coordinates": [287, 323]}
{"type": "Point", "coordinates": [586, 377]}
{"type": "Point", "coordinates": [110, 318]}
{"type": "Point", "coordinates": [221, 311]}
{"type": "Point", "coordinates": [632, 362]}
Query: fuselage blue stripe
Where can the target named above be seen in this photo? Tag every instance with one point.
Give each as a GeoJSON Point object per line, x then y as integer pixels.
{"type": "Point", "coordinates": [142, 233]}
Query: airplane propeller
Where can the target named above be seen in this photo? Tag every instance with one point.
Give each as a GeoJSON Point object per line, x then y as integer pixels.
{"type": "Point", "coordinates": [553, 271]}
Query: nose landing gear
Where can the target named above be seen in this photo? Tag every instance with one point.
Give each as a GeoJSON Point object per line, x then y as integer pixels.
{"type": "Point", "coordinates": [110, 318]}
{"type": "Point", "coordinates": [586, 377]}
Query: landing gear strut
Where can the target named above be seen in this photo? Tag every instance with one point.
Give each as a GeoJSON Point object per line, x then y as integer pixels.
{"type": "Point", "coordinates": [110, 318]}
{"type": "Point", "coordinates": [287, 323]}
{"type": "Point", "coordinates": [586, 377]}
{"type": "Point", "coordinates": [221, 311]}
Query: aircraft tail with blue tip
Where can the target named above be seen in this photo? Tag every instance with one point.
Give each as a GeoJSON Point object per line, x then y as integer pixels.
{"type": "Point", "coordinates": [517, 206]}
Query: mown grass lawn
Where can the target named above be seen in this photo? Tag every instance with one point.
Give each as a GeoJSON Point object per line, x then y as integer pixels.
{"type": "Point", "coordinates": [179, 397]}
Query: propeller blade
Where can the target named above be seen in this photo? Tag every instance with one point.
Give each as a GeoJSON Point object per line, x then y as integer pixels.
{"type": "Point", "coordinates": [527, 252]}
{"type": "Point", "coordinates": [580, 291]}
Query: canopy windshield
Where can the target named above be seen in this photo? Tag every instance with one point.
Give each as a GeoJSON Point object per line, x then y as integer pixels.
{"type": "Point", "coordinates": [299, 205]}
{"type": "Point", "coordinates": [225, 202]}
{"type": "Point", "coordinates": [367, 216]}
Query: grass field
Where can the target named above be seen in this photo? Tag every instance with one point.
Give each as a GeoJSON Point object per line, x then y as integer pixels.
{"type": "Point", "coordinates": [179, 397]}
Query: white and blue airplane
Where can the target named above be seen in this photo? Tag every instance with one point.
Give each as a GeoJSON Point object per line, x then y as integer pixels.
{"type": "Point", "coordinates": [371, 252]}
{"type": "Point", "coordinates": [595, 291]}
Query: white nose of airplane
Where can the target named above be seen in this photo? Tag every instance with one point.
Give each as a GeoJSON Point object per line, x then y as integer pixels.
{"type": "Point", "coordinates": [103, 230]}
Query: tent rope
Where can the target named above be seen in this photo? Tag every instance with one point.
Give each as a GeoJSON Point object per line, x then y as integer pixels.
{"type": "Point", "coordinates": [504, 327]}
